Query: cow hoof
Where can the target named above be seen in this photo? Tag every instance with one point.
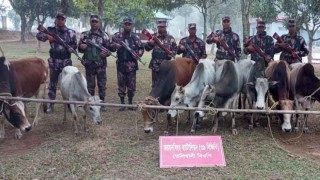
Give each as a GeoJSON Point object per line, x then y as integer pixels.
{"type": "Point", "coordinates": [295, 130]}
{"type": "Point", "coordinates": [306, 130]}
{"type": "Point", "coordinates": [234, 132]}
{"type": "Point", "coordinates": [192, 131]}
{"type": "Point", "coordinates": [250, 127]}
{"type": "Point", "coordinates": [257, 124]}
{"type": "Point", "coordinates": [18, 135]}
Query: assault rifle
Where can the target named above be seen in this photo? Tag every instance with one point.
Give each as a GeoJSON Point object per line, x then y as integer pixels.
{"type": "Point", "coordinates": [157, 41]}
{"type": "Point", "coordinates": [58, 39]}
{"type": "Point", "coordinates": [257, 49]}
{"type": "Point", "coordinates": [193, 54]}
{"type": "Point", "coordinates": [101, 48]}
{"type": "Point", "coordinates": [225, 45]}
{"type": "Point", "coordinates": [134, 54]}
{"type": "Point", "coordinates": [288, 48]}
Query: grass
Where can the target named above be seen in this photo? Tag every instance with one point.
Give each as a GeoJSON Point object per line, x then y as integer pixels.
{"type": "Point", "coordinates": [111, 151]}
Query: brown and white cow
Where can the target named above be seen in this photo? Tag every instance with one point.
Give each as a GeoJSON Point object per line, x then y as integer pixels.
{"type": "Point", "coordinates": [278, 71]}
{"type": "Point", "coordinates": [303, 83]}
{"type": "Point", "coordinates": [28, 77]}
{"type": "Point", "coordinates": [178, 71]}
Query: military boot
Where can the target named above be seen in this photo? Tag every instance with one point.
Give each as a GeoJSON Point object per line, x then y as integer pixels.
{"type": "Point", "coordinates": [50, 108]}
{"type": "Point", "coordinates": [130, 102]}
{"type": "Point", "coordinates": [122, 102]}
{"type": "Point", "coordinates": [103, 108]}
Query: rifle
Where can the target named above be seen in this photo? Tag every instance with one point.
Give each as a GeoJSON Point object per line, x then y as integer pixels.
{"type": "Point", "coordinates": [257, 49]}
{"type": "Point", "coordinates": [192, 52]}
{"type": "Point", "coordinates": [225, 45]}
{"type": "Point", "coordinates": [134, 54]}
{"type": "Point", "coordinates": [101, 48]}
{"type": "Point", "coordinates": [58, 39]}
{"type": "Point", "coordinates": [157, 41]}
{"type": "Point", "coordinates": [289, 49]}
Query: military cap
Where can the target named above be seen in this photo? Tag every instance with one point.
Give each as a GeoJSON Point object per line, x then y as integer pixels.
{"type": "Point", "coordinates": [261, 23]}
{"type": "Point", "coordinates": [128, 20]}
{"type": "Point", "coordinates": [226, 18]}
{"type": "Point", "coordinates": [61, 14]}
{"type": "Point", "coordinates": [161, 22]}
{"type": "Point", "coordinates": [291, 22]}
{"type": "Point", "coordinates": [94, 17]}
{"type": "Point", "coordinates": [192, 25]}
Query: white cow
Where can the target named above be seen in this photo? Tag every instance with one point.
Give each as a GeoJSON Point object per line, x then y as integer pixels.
{"type": "Point", "coordinates": [74, 88]}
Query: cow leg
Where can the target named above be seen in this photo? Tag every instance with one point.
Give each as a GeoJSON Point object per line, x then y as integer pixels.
{"type": "Point", "coordinates": [65, 113]}
{"type": "Point", "coordinates": [75, 118]}
{"type": "Point", "coordinates": [2, 130]}
{"type": "Point", "coordinates": [215, 124]}
{"type": "Point", "coordinates": [84, 117]}
{"type": "Point", "coordinates": [169, 124]}
{"type": "Point", "coordinates": [306, 128]}
{"type": "Point", "coordinates": [234, 130]}
{"type": "Point", "coordinates": [40, 93]}
{"type": "Point", "coordinates": [17, 133]}
{"type": "Point", "coordinates": [297, 107]}
{"type": "Point", "coordinates": [36, 118]}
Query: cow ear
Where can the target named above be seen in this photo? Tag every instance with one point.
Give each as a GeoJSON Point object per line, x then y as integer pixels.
{"type": "Point", "coordinates": [210, 87]}
{"type": "Point", "coordinates": [250, 84]}
{"type": "Point", "coordinates": [272, 83]}
{"type": "Point", "coordinates": [204, 84]}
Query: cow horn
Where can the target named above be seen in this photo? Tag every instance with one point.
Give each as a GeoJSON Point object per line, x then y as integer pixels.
{"type": "Point", "coordinates": [6, 62]}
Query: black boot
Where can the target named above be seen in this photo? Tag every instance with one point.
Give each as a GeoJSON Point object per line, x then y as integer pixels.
{"type": "Point", "coordinates": [50, 108]}
{"type": "Point", "coordinates": [130, 102]}
{"type": "Point", "coordinates": [122, 102]}
{"type": "Point", "coordinates": [103, 108]}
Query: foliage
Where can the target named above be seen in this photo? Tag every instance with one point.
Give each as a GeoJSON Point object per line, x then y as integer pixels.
{"type": "Point", "coordinates": [264, 9]}
{"type": "Point", "coordinates": [15, 19]}
{"type": "Point", "coordinates": [168, 5]}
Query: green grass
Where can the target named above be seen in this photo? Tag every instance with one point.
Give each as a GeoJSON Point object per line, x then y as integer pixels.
{"type": "Point", "coordinates": [111, 151]}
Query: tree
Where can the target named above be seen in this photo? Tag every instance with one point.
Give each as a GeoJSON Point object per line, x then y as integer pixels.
{"type": "Point", "coordinates": [15, 19]}
{"type": "Point", "coordinates": [185, 12]}
{"type": "Point", "coordinates": [264, 9]}
{"type": "Point", "coordinates": [307, 13]}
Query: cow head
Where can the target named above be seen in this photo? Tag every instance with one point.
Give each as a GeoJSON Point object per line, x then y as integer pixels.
{"type": "Point", "coordinates": [286, 105]}
{"type": "Point", "coordinates": [177, 99]}
{"type": "Point", "coordinates": [149, 115]}
{"type": "Point", "coordinates": [208, 96]}
{"type": "Point", "coordinates": [15, 114]}
{"type": "Point", "coordinates": [261, 87]}
{"type": "Point", "coordinates": [93, 111]}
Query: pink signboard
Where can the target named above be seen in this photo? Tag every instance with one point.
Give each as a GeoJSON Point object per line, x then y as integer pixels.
{"type": "Point", "coordinates": [191, 151]}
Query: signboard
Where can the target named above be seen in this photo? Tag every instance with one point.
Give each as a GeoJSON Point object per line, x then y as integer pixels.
{"type": "Point", "coordinates": [191, 151]}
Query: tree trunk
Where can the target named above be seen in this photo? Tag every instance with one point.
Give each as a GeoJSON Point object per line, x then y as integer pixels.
{"type": "Point", "coordinates": [30, 22]}
{"type": "Point", "coordinates": [185, 25]}
{"type": "Point", "coordinates": [23, 28]}
{"type": "Point", "coordinates": [245, 18]}
{"type": "Point", "coordinates": [310, 50]}
{"type": "Point", "coordinates": [205, 15]}
{"type": "Point", "coordinates": [64, 6]}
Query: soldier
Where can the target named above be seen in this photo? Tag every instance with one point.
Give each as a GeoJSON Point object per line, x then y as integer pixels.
{"type": "Point", "coordinates": [59, 55]}
{"type": "Point", "coordinates": [230, 38]}
{"type": "Point", "coordinates": [195, 43]}
{"type": "Point", "coordinates": [261, 40]}
{"type": "Point", "coordinates": [94, 60]}
{"type": "Point", "coordinates": [295, 42]}
{"type": "Point", "coordinates": [127, 65]}
{"type": "Point", "coordinates": [158, 55]}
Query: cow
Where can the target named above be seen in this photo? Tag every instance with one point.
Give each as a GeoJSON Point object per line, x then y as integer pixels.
{"type": "Point", "coordinates": [27, 78]}
{"type": "Point", "coordinates": [303, 83]}
{"type": "Point", "coordinates": [190, 94]}
{"type": "Point", "coordinates": [178, 71]}
{"type": "Point", "coordinates": [225, 92]}
{"type": "Point", "coordinates": [74, 88]}
{"type": "Point", "coordinates": [278, 71]}
{"type": "Point", "coordinates": [256, 88]}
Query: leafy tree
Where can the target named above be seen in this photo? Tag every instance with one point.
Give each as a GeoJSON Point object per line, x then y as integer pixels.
{"type": "Point", "coordinates": [168, 5]}
{"type": "Point", "coordinates": [264, 9]}
{"type": "Point", "coordinates": [15, 19]}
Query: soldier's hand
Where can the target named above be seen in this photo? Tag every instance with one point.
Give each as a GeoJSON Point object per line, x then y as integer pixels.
{"type": "Point", "coordinates": [216, 39]}
{"type": "Point", "coordinates": [118, 46]}
{"type": "Point", "coordinates": [283, 45]}
{"type": "Point", "coordinates": [104, 54]}
{"type": "Point", "coordinates": [151, 42]}
{"type": "Point", "coordinates": [250, 48]}
{"type": "Point", "coordinates": [50, 38]}
{"type": "Point", "coordinates": [83, 46]}
{"type": "Point", "coordinates": [182, 48]}
{"type": "Point", "coordinates": [70, 50]}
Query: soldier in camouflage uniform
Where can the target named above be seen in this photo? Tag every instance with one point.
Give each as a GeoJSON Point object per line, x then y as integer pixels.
{"type": "Point", "coordinates": [294, 41]}
{"type": "Point", "coordinates": [94, 60]}
{"type": "Point", "coordinates": [229, 37]}
{"type": "Point", "coordinates": [158, 55]}
{"type": "Point", "coordinates": [127, 65]}
{"type": "Point", "coordinates": [59, 55]}
{"type": "Point", "coordinates": [262, 40]}
{"type": "Point", "coordinates": [195, 43]}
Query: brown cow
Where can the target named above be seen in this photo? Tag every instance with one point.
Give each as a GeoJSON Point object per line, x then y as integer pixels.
{"type": "Point", "coordinates": [29, 76]}
{"type": "Point", "coordinates": [278, 71]}
{"type": "Point", "coordinates": [178, 71]}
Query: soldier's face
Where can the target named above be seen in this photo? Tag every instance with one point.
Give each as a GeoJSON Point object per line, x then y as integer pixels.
{"type": "Point", "coordinates": [261, 29]}
{"type": "Point", "coordinates": [60, 21]}
{"type": "Point", "coordinates": [192, 31]}
{"type": "Point", "coordinates": [292, 28]}
{"type": "Point", "coordinates": [127, 26]}
{"type": "Point", "coordinates": [95, 25]}
{"type": "Point", "coordinates": [162, 29]}
{"type": "Point", "coordinates": [226, 24]}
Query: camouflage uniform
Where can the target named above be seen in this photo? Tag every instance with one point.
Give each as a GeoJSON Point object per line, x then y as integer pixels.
{"type": "Point", "coordinates": [297, 43]}
{"type": "Point", "coordinates": [126, 64]}
{"type": "Point", "coordinates": [198, 46]}
{"type": "Point", "coordinates": [59, 55]}
{"type": "Point", "coordinates": [158, 55]}
{"type": "Point", "coordinates": [94, 64]}
{"type": "Point", "coordinates": [264, 41]}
